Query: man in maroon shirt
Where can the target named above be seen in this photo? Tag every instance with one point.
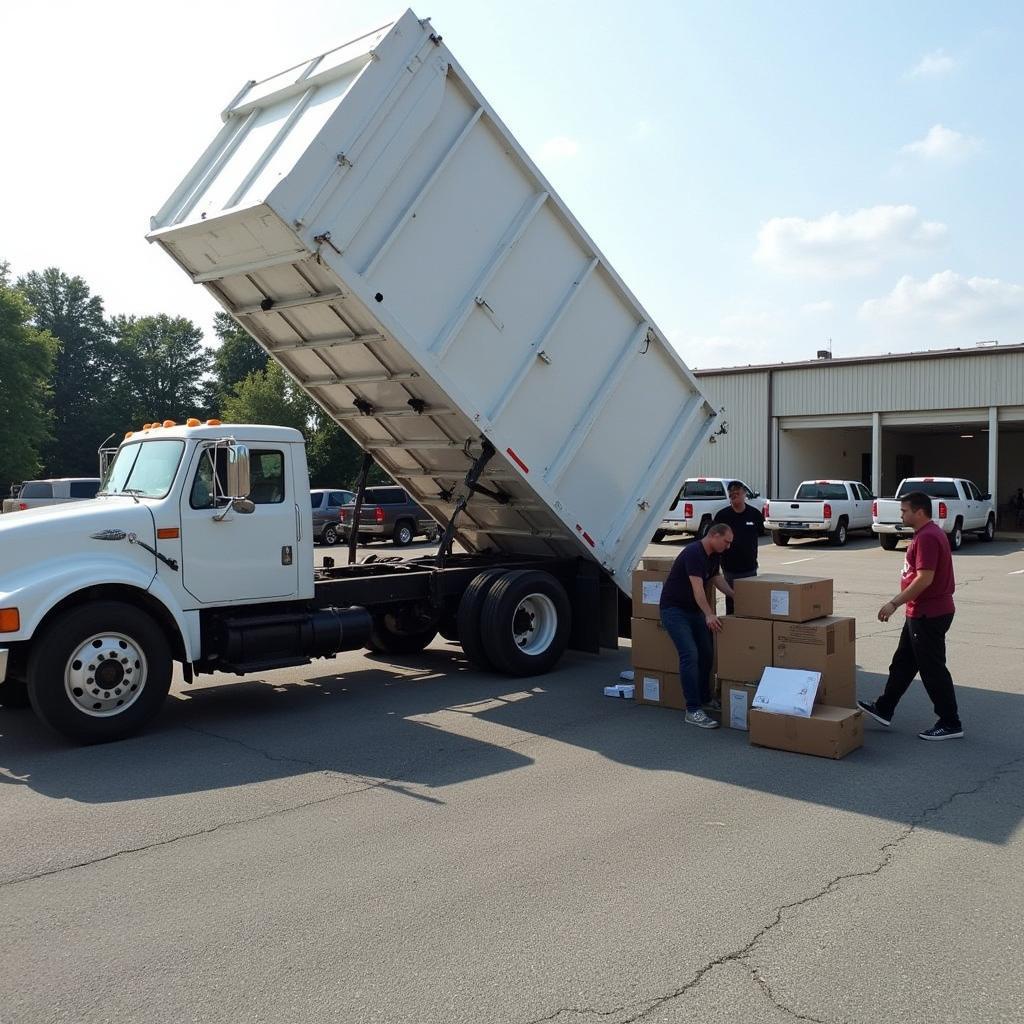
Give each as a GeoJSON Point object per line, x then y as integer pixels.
{"type": "Point", "coordinates": [926, 588]}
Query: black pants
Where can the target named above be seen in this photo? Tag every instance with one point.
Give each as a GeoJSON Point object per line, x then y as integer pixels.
{"type": "Point", "coordinates": [922, 648]}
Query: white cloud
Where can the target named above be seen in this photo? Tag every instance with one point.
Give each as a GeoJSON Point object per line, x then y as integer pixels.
{"type": "Point", "coordinates": [943, 143]}
{"type": "Point", "coordinates": [643, 129]}
{"type": "Point", "coordinates": [932, 65]}
{"type": "Point", "coordinates": [843, 245]}
{"type": "Point", "coordinates": [950, 299]}
{"type": "Point", "coordinates": [757, 323]}
{"type": "Point", "coordinates": [704, 351]}
{"type": "Point", "coordinates": [816, 308]}
{"type": "Point", "coordinates": [559, 148]}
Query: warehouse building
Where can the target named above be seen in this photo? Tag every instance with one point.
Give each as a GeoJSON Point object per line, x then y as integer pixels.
{"type": "Point", "coordinates": [877, 419]}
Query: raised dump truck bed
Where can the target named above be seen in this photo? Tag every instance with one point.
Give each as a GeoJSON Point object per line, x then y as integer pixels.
{"type": "Point", "coordinates": [376, 228]}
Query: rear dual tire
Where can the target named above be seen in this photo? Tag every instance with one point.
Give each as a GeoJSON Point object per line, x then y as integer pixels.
{"type": "Point", "coordinates": [515, 622]}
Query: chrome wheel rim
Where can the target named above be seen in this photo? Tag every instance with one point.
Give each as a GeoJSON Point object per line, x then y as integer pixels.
{"type": "Point", "coordinates": [534, 624]}
{"type": "Point", "coordinates": [105, 675]}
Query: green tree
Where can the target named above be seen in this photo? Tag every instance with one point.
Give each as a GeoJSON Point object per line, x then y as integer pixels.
{"type": "Point", "coordinates": [26, 362]}
{"type": "Point", "coordinates": [83, 412]}
{"type": "Point", "coordinates": [235, 358]}
{"type": "Point", "coordinates": [160, 364]}
{"type": "Point", "coordinates": [335, 459]}
{"type": "Point", "coordinates": [268, 396]}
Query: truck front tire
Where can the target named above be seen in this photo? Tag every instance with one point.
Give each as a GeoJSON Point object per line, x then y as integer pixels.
{"type": "Point", "coordinates": [99, 672]}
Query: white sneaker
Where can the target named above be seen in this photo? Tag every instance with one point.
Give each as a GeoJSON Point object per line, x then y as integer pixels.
{"type": "Point", "coordinates": [699, 719]}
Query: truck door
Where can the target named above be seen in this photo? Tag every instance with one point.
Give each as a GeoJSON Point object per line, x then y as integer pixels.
{"type": "Point", "coordinates": [240, 557]}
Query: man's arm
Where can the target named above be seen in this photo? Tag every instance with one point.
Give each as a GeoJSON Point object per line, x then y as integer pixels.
{"type": "Point", "coordinates": [723, 587]}
{"type": "Point", "coordinates": [922, 581]}
{"type": "Point", "coordinates": [699, 596]}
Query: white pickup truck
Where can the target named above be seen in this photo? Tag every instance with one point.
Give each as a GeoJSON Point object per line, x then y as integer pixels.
{"type": "Point", "coordinates": [958, 506]}
{"type": "Point", "coordinates": [820, 508]}
{"type": "Point", "coordinates": [694, 508]}
{"type": "Point", "coordinates": [374, 226]}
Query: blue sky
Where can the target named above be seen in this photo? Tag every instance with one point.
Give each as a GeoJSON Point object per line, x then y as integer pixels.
{"type": "Point", "coordinates": [763, 176]}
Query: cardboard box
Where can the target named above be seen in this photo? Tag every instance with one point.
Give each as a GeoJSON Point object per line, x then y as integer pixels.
{"type": "Point", "coordinates": [829, 732]}
{"type": "Point", "coordinates": [789, 598]}
{"type": "Point", "coordinates": [653, 647]}
{"type": "Point", "coordinates": [736, 698]}
{"type": "Point", "coordinates": [743, 648]}
{"type": "Point", "coordinates": [665, 689]}
{"type": "Point", "coordinates": [648, 579]}
{"type": "Point", "coordinates": [828, 646]}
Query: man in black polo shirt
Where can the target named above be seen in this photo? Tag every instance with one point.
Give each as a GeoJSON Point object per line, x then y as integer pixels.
{"type": "Point", "coordinates": [689, 620]}
{"type": "Point", "coordinates": [747, 524]}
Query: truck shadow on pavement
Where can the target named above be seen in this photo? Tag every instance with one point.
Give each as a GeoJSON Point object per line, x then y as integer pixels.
{"type": "Point", "coordinates": [419, 724]}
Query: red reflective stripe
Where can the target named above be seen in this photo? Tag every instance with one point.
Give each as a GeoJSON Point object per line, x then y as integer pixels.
{"type": "Point", "coordinates": [518, 461]}
{"type": "Point", "coordinates": [587, 538]}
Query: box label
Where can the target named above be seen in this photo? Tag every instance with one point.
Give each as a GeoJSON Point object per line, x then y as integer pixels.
{"type": "Point", "coordinates": [652, 688]}
{"type": "Point", "coordinates": [780, 602]}
{"type": "Point", "coordinates": [650, 591]}
{"type": "Point", "coordinates": [737, 709]}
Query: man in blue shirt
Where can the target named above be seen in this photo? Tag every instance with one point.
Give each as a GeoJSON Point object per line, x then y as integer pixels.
{"type": "Point", "coordinates": [689, 620]}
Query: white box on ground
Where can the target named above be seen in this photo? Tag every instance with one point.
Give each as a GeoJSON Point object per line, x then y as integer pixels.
{"type": "Point", "coordinates": [620, 690]}
{"type": "Point", "coordinates": [787, 691]}
{"type": "Point", "coordinates": [737, 709]}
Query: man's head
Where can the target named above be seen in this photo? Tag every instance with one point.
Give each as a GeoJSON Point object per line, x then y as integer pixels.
{"type": "Point", "coordinates": [737, 496]}
{"type": "Point", "coordinates": [718, 539]}
{"type": "Point", "coordinates": [916, 509]}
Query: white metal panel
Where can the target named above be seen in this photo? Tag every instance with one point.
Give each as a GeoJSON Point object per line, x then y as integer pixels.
{"type": "Point", "coordinates": [378, 230]}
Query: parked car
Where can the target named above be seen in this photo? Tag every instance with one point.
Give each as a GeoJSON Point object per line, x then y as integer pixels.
{"type": "Point", "coordinates": [388, 512]}
{"type": "Point", "coordinates": [820, 508]}
{"type": "Point", "coordinates": [37, 493]}
{"type": "Point", "coordinates": [958, 506]}
{"type": "Point", "coordinates": [694, 508]}
{"type": "Point", "coordinates": [327, 502]}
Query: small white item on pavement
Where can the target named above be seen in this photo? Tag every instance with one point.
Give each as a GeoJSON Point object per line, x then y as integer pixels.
{"type": "Point", "coordinates": [626, 676]}
{"type": "Point", "coordinates": [620, 690]}
{"type": "Point", "coordinates": [787, 691]}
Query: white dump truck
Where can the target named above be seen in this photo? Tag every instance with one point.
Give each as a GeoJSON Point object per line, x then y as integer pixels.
{"type": "Point", "coordinates": [375, 227]}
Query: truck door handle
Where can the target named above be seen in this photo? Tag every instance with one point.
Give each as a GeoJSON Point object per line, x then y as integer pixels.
{"type": "Point", "coordinates": [298, 524]}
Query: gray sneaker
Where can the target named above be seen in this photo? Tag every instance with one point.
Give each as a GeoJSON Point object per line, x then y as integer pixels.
{"type": "Point", "coordinates": [699, 719]}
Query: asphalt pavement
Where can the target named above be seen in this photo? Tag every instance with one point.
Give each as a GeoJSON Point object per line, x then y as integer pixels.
{"type": "Point", "coordinates": [406, 839]}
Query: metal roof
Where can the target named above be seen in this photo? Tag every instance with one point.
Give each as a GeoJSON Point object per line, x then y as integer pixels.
{"type": "Point", "coordinates": [940, 353]}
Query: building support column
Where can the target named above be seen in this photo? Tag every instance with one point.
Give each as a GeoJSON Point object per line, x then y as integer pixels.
{"type": "Point", "coordinates": [876, 454]}
{"type": "Point", "coordinates": [773, 483]}
{"type": "Point", "coordinates": [993, 453]}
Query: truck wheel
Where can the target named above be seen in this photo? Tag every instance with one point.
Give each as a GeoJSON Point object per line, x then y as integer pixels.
{"type": "Point", "coordinates": [388, 637]}
{"type": "Point", "coordinates": [989, 533]}
{"type": "Point", "coordinates": [837, 538]}
{"type": "Point", "coordinates": [956, 538]}
{"type": "Point", "coordinates": [99, 672]}
{"type": "Point", "coordinates": [13, 693]}
{"type": "Point", "coordinates": [782, 539]}
{"type": "Point", "coordinates": [468, 618]}
{"type": "Point", "coordinates": [702, 530]}
{"type": "Point", "coordinates": [525, 622]}
{"type": "Point", "coordinates": [659, 536]}
{"type": "Point", "coordinates": [403, 534]}
{"type": "Point", "coordinates": [329, 536]}
{"type": "Point", "coordinates": [888, 541]}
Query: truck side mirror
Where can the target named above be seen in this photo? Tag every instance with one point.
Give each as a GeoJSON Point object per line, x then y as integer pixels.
{"type": "Point", "coordinates": [986, 497]}
{"type": "Point", "coordinates": [238, 480]}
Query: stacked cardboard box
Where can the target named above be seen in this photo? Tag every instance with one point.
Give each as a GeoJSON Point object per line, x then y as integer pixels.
{"type": "Point", "coordinates": [655, 659]}
{"type": "Point", "coordinates": [787, 622]}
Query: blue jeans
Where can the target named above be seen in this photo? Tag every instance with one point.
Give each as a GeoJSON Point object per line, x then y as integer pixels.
{"type": "Point", "coordinates": [692, 638]}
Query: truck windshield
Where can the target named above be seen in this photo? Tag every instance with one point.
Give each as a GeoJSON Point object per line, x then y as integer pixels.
{"type": "Point", "coordinates": [146, 469]}
{"type": "Point", "coordinates": [933, 488]}
{"type": "Point", "coordinates": [820, 492]}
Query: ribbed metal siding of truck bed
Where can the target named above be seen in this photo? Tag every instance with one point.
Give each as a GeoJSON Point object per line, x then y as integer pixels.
{"type": "Point", "coordinates": [378, 230]}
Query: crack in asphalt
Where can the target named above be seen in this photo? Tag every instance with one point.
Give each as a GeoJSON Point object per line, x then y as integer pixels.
{"type": "Point", "coordinates": [887, 851]}
{"type": "Point", "coordinates": [370, 784]}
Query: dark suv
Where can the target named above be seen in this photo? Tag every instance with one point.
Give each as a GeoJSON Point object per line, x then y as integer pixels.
{"type": "Point", "coordinates": [388, 512]}
{"type": "Point", "coordinates": [326, 503]}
